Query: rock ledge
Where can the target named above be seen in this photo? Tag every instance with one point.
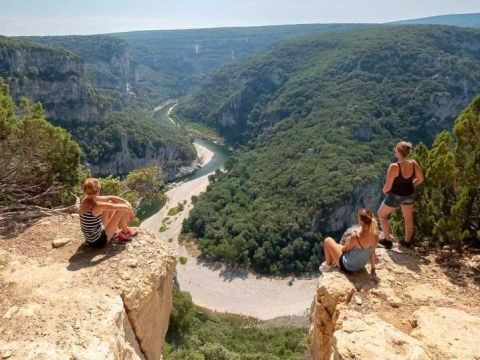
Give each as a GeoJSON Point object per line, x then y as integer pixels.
{"type": "Point", "coordinates": [75, 302]}
{"type": "Point", "coordinates": [413, 309]}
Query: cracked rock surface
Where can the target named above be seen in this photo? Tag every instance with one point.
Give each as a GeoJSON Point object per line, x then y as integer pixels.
{"type": "Point", "coordinates": [418, 306]}
{"type": "Point", "coordinates": [76, 302]}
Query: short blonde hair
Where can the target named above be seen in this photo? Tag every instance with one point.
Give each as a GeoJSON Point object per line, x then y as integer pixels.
{"type": "Point", "coordinates": [91, 186]}
{"type": "Point", "coordinates": [404, 148]}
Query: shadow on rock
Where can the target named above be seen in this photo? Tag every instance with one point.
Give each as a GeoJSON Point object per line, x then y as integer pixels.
{"type": "Point", "coordinates": [405, 258]}
{"type": "Point", "coordinates": [459, 266]}
{"type": "Point", "coordinates": [87, 256]}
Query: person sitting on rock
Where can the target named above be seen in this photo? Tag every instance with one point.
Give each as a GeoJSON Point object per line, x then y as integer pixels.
{"type": "Point", "coordinates": [359, 247]}
{"type": "Point", "coordinates": [104, 217]}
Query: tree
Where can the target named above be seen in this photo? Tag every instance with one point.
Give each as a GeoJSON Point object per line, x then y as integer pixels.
{"type": "Point", "coordinates": [448, 203]}
{"type": "Point", "coordinates": [181, 316]}
{"type": "Point", "coordinates": [40, 162]}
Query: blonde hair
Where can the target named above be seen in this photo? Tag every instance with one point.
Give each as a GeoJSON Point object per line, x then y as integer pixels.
{"type": "Point", "coordinates": [404, 147]}
{"type": "Point", "coordinates": [91, 186]}
{"type": "Point", "coordinates": [367, 217]}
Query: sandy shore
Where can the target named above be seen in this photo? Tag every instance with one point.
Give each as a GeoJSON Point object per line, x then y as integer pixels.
{"type": "Point", "coordinates": [261, 297]}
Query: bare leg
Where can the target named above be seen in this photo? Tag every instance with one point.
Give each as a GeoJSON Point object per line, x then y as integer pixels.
{"type": "Point", "coordinates": [118, 220]}
{"type": "Point", "coordinates": [333, 251]}
{"type": "Point", "coordinates": [328, 257]}
{"type": "Point", "coordinates": [407, 211]}
{"type": "Point", "coordinates": [383, 214]}
{"type": "Point", "coordinates": [106, 216]}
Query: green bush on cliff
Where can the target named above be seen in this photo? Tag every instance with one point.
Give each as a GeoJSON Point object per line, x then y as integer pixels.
{"type": "Point", "coordinates": [318, 118]}
{"type": "Point", "coordinates": [448, 205]}
{"type": "Point", "coordinates": [40, 162]}
{"type": "Point", "coordinates": [143, 188]}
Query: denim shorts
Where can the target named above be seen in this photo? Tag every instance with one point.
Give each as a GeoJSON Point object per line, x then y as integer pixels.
{"type": "Point", "coordinates": [394, 201]}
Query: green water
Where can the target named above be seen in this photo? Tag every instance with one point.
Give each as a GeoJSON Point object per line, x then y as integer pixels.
{"type": "Point", "coordinates": [221, 154]}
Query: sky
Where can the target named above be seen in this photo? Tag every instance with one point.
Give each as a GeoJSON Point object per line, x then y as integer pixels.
{"type": "Point", "coordinates": [63, 17]}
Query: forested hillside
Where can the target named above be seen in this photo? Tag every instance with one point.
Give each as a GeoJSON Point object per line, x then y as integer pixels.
{"type": "Point", "coordinates": [462, 20]}
{"type": "Point", "coordinates": [109, 66]}
{"type": "Point", "coordinates": [168, 63]}
{"type": "Point", "coordinates": [183, 57]}
{"type": "Point", "coordinates": [319, 117]}
{"type": "Point", "coordinates": [97, 117]}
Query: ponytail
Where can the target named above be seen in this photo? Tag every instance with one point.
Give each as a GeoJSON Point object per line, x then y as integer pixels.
{"type": "Point", "coordinates": [367, 217]}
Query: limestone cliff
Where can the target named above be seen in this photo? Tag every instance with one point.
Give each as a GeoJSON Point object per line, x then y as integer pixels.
{"type": "Point", "coordinates": [75, 302]}
{"type": "Point", "coordinates": [54, 77]}
{"type": "Point", "coordinates": [417, 307]}
{"type": "Point", "coordinates": [171, 158]}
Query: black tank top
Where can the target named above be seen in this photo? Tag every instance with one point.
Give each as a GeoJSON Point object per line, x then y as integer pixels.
{"type": "Point", "coordinates": [403, 186]}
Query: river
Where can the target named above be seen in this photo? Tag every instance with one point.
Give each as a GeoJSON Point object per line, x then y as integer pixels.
{"type": "Point", "coordinates": [214, 287]}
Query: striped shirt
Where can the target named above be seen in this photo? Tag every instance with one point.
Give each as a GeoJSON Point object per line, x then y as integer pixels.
{"type": "Point", "coordinates": [91, 225]}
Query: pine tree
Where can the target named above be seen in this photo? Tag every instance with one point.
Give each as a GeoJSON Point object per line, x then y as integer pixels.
{"type": "Point", "coordinates": [448, 202]}
{"type": "Point", "coordinates": [40, 162]}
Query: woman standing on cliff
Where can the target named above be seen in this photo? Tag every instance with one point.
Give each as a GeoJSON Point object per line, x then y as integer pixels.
{"type": "Point", "coordinates": [403, 177]}
{"type": "Point", "coordinates": [359, 247]}
{"type": "Point", "coordinates": [104, 217]}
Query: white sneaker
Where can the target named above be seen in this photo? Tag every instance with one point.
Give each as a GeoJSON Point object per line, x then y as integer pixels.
{"type": "Point", "coordinates": [325, 268]}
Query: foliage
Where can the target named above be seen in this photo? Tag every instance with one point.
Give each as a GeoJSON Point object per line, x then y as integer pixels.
{"type": "Point", "coordinates": [315, 119]}
{"type": "Point", "coordinates": [40, 162]}
{"type": "Point", "coordinates": [194, 333]}
{"type": "Point", "coordinates": [176, 210]}
{"type": "Point", "coordinates": [448, 209]}
{"type": "Point", "coordinates": [143, 188]}
{"type": "Point", "coordinates": [103, 139]}
{"type": "Point", "coordinates": [182, 260]}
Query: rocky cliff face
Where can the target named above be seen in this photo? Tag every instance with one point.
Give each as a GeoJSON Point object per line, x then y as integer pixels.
{"type": "Point", "coordinates": [364, 195]}
{"type": "Point", "coordinates": [167, 158]}
{"type": "Point", "coordinates": [413, 309]}
{"type": "Point", "coordinates": [75, 302]}
{"type": "Point", "coordinates": [54, 78]}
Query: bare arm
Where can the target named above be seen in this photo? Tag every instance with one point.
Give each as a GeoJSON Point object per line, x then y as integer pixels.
{"type": "Point", "coordinates": [419, 178]}
{"type": "Point", "coordinates": [102, 206]}
{"type": "Point", "coordinates": [373, 259]}
{"type": "Point", "coordinates": [350, 243]}
{"type": "Point", "coordinates": [390, 177]}
{"type": "Point", "coordinates": [113, 199]}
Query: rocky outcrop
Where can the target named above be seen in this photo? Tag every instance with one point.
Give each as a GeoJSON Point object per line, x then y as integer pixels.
{"type": "Point", "coordinates": [75, 302]}
{"type": "Point", "coordinates": [411, 309]}
{"type": "Point", "coordinates": [364, 195]}
{"type": "Point", "coordinates": [168, 158]}
{"type": "Point", "coordinates": [54, 77]}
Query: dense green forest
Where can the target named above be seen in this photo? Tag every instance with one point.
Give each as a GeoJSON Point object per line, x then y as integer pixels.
{"type": "Point", "coordinates": [185, 56]}
{"type": "Point", "coordinates": [448, 205]}
{"type": "Point", "coordinates": [197, 334]}
{"type": "Point", "coordinates": [168, 63]}
{"type": "Point", "coordinates": [101, 139]}
{"type": "Point", "coordinates": [96, 116]}
{"type": "Point", "coordinates": [318, 118]}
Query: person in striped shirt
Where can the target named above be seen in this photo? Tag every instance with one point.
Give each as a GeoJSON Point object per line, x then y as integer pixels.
{"type": "Point", "coordinates": [104, 217]}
